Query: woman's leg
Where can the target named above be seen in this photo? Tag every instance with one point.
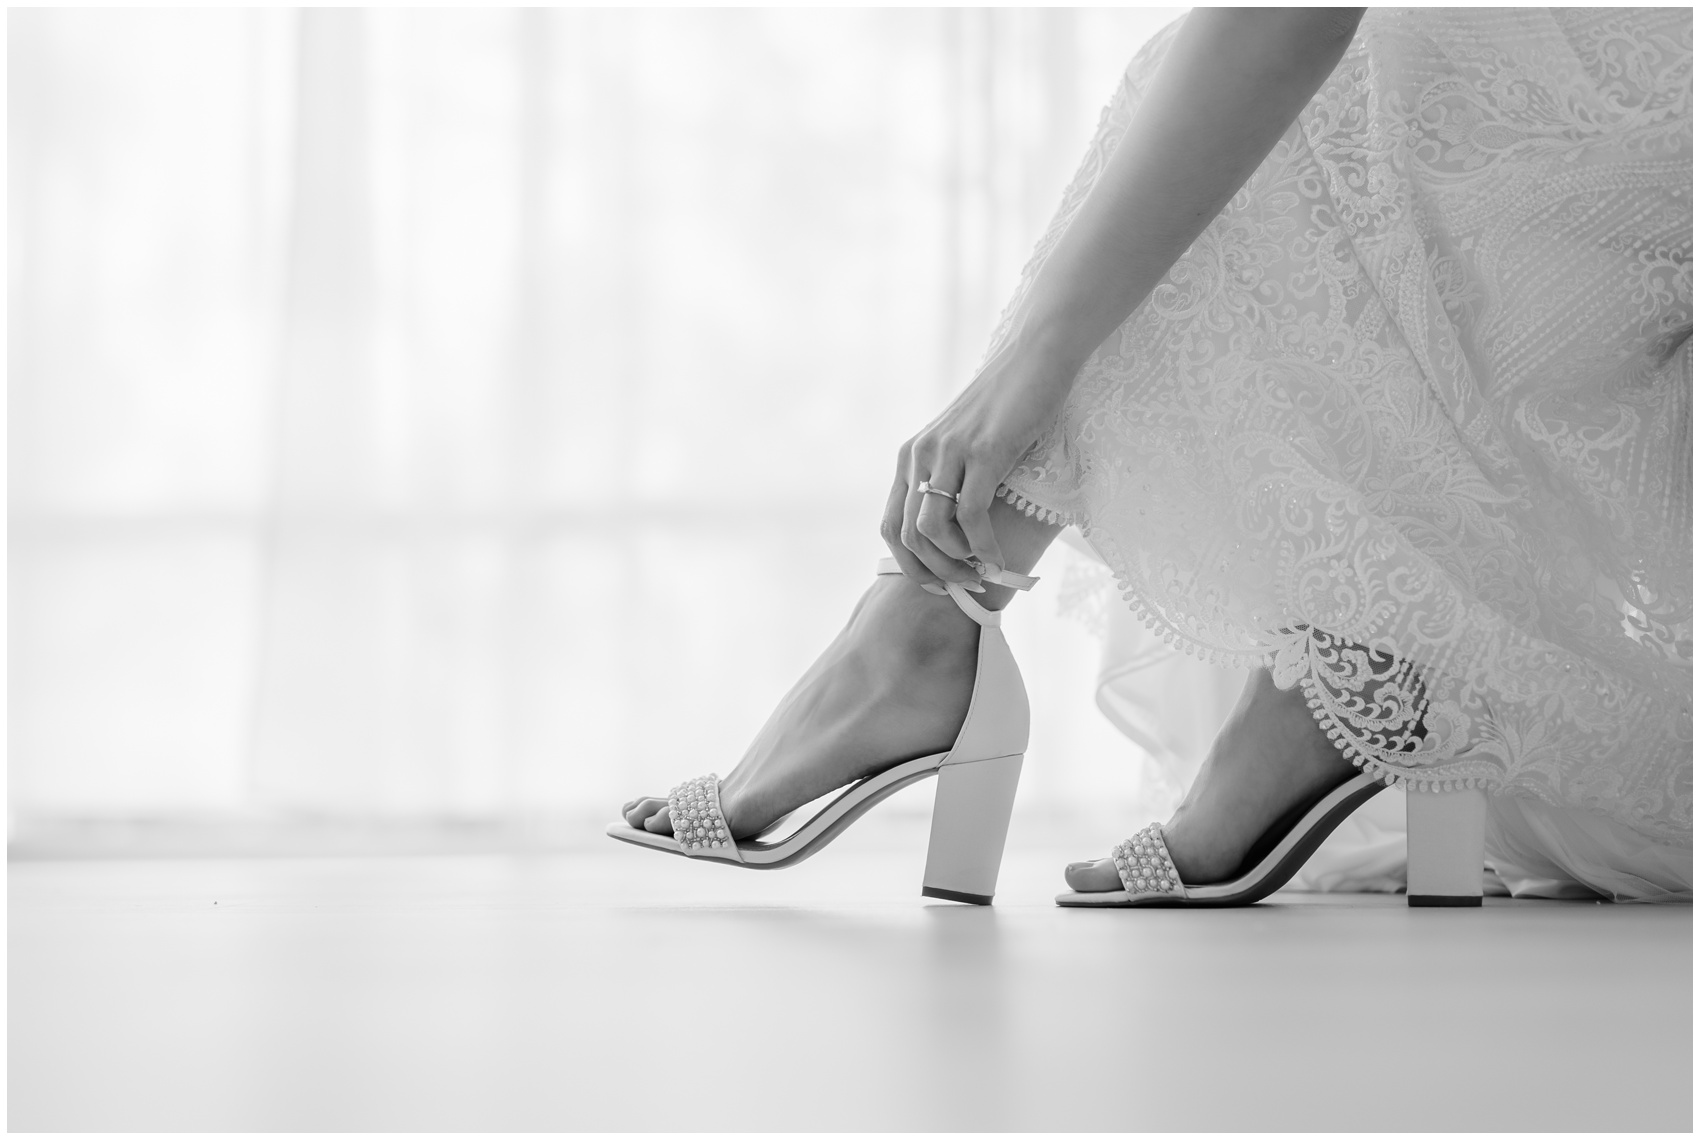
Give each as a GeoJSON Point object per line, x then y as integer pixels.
{"type": "Point", "coordinates": [1270, 755]}
{"type": "Point", "coordinates": [893, 685]}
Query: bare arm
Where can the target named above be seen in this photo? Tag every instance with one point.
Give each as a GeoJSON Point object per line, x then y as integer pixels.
{"type": "Point", "coordinates": [1227, 90]}
{"type": "Point", "coordinates": [1230, 86]}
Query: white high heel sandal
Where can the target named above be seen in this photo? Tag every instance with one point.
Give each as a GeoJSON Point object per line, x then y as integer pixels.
{"type": "Point", "coordinates": [1445, 838]}
{"type": "Point", "coordinates": [971, 807]}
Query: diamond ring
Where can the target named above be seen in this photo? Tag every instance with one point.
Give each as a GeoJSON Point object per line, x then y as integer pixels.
{"type": "Point", "coordinates": [927, 488]}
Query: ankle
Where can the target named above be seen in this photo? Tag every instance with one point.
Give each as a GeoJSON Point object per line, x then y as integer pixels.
{"type": "Point", "coordinates": [897, 618]}
{"type": "Point", "coordinates": [1265, 708]}
{"type": "Point", "coordinates": [995, 597]}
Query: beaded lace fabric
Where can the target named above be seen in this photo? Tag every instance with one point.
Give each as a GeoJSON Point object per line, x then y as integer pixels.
{"type": "Point", "coordinates": [1410, 420]}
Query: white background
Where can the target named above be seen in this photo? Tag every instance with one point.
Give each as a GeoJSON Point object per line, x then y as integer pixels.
{"type": "Point", "coordinates": [486, 415]}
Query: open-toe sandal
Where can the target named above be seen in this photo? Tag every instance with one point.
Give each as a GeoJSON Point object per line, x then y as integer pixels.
{"type": "Point", "coordinates": [971, 807]}
{"type": "Point", "coordinates": [1445, 836]}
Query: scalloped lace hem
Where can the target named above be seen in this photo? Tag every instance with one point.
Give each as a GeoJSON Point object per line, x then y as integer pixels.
{"type": "Point", "coordinates": [1294, 658]}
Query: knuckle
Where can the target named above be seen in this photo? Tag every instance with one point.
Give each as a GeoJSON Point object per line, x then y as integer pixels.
{"type": "Point", "coordinates": [891, 532]}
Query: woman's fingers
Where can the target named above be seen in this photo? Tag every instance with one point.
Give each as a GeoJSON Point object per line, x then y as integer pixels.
{"type": "Point", "coordinates": [937, 521]}
{"type": "Point", "coordinates": [891, 530]}
{"type": "Point", "coordinates": [973, 516]}
{"type": "Point", "coordinates": [937, 516]}
{"type": "Point", "coordinates": [941, 564]}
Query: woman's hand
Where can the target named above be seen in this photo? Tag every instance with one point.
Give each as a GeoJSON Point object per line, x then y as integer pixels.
{"type": "Point", "coordinates": [1229, 86]}
{"type": "Point", "coordinates": [969, 449]}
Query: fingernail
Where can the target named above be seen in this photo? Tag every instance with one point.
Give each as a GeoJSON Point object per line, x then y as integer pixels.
{"type": "Point", "coordinates": [939, 590]}
{"type": "Point", "coordinates": [974, 587]}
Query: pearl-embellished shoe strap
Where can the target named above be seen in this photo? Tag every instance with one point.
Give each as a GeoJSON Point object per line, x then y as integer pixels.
{"type": "Point", "coordinates": [698, 824]}
{"type": "Point", "coordinates": [1145, 867]}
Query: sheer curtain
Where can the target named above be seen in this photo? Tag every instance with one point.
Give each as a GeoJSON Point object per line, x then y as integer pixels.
{"type": "Point", "coordinates": [485, 414]}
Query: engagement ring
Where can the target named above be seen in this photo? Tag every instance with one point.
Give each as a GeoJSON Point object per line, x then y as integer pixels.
{"type": "Point", "coordinates": [927, 488]}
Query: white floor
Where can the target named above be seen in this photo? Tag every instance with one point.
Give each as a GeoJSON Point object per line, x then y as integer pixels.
{"type": "Point", "coordinates": [616, 989]}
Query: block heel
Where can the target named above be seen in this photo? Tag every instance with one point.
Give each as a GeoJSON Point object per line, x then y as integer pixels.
{"type": "Point", "coordinates": [971, 812]}
{"type": "Point", "coordinates": [1446, 835]}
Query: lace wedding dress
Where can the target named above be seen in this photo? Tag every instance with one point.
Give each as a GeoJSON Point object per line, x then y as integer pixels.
{"type": "Point", "coordinates": [1414, 410]}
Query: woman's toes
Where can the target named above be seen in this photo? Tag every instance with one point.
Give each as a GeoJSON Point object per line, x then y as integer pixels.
{"type": "Point", "coordinates": [1095, 875]}
{"type": "Point", "coordinates": [641, 810]}
{"type": "Point", "coordinates": [661, 822]}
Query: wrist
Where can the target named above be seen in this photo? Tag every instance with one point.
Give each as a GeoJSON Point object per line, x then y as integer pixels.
{"type": "Point", "coordinates": [1047, 350]}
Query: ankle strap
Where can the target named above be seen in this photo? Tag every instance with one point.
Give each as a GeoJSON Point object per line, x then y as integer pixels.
{"type": "Point", "coordinates": [965, 600]}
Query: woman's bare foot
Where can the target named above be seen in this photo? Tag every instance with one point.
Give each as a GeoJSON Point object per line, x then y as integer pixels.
{"type": "Point", "coordinates": [894, 685]}
{"type": "Point", "coordinates": [1269, 756]}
